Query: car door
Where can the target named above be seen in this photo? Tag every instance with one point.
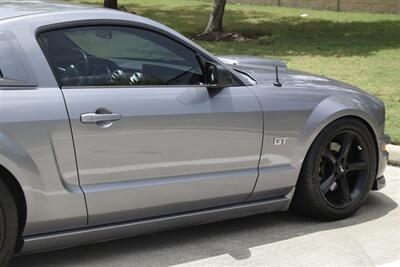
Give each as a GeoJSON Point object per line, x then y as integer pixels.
{"type": "Point", "coordinates": [150, 139]}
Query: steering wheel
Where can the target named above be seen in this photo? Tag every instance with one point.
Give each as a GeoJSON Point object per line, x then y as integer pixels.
{"type": "Point", "coordinates": [77, 66]}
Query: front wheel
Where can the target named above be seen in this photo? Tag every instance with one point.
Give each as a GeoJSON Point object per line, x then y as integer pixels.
{"type": "Point", "coordinates": [338, 171]}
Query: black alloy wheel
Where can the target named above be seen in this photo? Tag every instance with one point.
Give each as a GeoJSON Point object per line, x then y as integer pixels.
{"type": "Point", "coordinates": [338, 171]}
{"type": "Point", "coordinates": [343, 169]}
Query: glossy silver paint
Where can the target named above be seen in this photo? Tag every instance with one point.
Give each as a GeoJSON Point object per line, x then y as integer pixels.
{"type": "Point", "coordinates": [174, 141]}
{"type": "Point", "coordinates": [177, 155]}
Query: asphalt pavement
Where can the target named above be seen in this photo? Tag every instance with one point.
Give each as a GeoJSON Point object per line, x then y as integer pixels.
{"type": "Point", "coordinates": [370, 238]}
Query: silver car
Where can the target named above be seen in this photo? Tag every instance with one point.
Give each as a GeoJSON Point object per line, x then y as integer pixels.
{"type": "Point", "coordinates": [113, 125]}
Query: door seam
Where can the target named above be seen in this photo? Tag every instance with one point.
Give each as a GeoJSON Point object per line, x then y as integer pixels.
{"type": "Point", "coordinates": [75, 157]}
{"type": "Point", "coordinates": [262, 146]}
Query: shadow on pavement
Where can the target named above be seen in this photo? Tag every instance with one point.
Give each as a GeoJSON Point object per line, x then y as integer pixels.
{"type": "Point", "coordinates": [233, 237]}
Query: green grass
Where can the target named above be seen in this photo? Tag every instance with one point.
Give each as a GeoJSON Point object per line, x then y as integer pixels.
{"type": "Point", "coordinates": [358, 48]}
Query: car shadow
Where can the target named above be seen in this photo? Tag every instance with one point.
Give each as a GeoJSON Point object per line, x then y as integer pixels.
{"type": "Point", "coordinates": [233, 237]}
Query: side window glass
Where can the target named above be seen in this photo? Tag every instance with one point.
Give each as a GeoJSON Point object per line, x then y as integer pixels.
{"type": "Point", "coordinates": [119, 56]}
{"type": "Point", "coordinates": [14, 69]}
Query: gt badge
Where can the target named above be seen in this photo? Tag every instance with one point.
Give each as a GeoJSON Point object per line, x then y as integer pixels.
{"type": "Point", "coordinates": [280, 141]}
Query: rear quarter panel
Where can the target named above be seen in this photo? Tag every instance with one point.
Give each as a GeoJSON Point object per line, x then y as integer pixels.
{"type": "Point", "coordinates": [36, 144]}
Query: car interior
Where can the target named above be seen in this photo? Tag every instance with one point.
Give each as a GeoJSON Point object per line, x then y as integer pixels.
{"type": "Point", "coordinates": [119, 56]}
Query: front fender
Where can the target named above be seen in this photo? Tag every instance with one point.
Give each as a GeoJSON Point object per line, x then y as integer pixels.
{"type": "Point", "coordinates": [299, 116]}
{"type": "Point", "coordinates": [327, 111]}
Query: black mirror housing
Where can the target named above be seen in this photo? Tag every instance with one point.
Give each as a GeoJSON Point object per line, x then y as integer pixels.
{"type": "Point", "coordinates": [216, 76]}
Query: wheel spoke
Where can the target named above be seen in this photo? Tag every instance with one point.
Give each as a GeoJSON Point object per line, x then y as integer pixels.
{"type": "Point", "coordinates": [329, 155]}
{"type": "Point", "coordinates": [357, 166]}
{"type": "Point", "coordinates": [344, 189]}
{"type": "Point", "coordinates": [326, 185]}
{"type": "Point", "coordinates": [346, 145]}
{"type": "Point", "coordinates": [344, 167]}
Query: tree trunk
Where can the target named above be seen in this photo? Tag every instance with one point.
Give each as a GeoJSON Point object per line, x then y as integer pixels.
{"type": "Point", "coordinates": [111, 4]}
{"type": "Point", "coordinates": [215, 21]}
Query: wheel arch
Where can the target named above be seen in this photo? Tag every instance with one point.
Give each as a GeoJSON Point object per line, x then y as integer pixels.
{"type": "Point", "coordinates": [365, 123]}
{"type": "Point", "coordinates": [19, 197]}
{"type": "Point", "coordinates": [19, 172]}
{"type": "Point", "coordinates": [326, 112]}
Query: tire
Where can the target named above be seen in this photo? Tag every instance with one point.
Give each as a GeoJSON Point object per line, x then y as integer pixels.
{"type": "Point", "coordinates": [332, 184]}
{"type": "Point", "coordinates": [8, 225]}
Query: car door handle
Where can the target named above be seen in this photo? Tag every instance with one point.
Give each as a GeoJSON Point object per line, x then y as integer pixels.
{"type": "Point", "coordinates": [96, 117]}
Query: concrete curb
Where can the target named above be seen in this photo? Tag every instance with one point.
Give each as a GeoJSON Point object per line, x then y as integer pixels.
{"type": "Point", "coordinates": [394, 154]}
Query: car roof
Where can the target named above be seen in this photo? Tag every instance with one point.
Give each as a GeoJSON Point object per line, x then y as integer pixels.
{"type": "Point", "coordinates": [24, 18]}
{"type": "Point", "coordinates": [59, 11]}
{"type": "Point", "coordinates": [17, 8]}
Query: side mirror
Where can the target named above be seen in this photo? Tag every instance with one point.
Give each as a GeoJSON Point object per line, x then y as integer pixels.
{"type": "Point", "coordinates": [217, 76]}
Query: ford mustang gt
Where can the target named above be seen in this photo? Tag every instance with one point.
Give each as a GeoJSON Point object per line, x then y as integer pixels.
{"type": "Point", "coordinates": [113, 125]}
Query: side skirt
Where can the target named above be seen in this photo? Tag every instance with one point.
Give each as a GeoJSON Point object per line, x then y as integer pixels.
{"type": "Point", "coordinates": [84, 236]}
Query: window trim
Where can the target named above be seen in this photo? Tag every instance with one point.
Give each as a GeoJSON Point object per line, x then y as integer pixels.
{"type": "Point", "coordinates": [118, 23]}
{"type": "Point", "coordinates": [132, 87]}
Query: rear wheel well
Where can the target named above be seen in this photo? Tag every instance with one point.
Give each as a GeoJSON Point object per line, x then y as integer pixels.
{"type": "Point", "coordinates": [19, 197]}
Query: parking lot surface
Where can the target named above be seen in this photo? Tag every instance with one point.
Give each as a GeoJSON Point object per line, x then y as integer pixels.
{"type": "Point", "coordinates": [370, 238]}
